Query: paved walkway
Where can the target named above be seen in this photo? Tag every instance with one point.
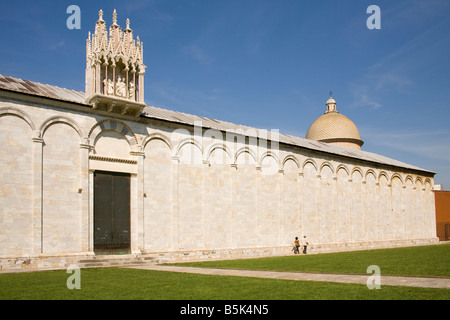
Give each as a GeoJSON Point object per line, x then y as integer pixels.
{"type": "Point", "coordinates": [302, 276]}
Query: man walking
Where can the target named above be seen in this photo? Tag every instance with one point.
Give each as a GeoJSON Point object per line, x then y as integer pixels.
{"type": "Point", "coordinates": [305, 244]}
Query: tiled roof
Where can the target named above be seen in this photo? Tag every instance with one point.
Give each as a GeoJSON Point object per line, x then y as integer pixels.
{"type": "Point", "coordinates": [333, 125]}
{"type": "Point", "coordinates": [54, 92]}
{"type": "Point", "coordinates": [40, 89]}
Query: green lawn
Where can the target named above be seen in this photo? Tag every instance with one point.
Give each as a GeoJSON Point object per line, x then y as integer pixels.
{"type": "Point", "coordinates": [429, 261]}
{"type": "Point", "coordinates": [124, 284]}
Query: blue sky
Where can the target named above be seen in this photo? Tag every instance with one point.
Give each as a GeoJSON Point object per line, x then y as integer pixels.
{"type": "Point", "coordinates": [267, 63]}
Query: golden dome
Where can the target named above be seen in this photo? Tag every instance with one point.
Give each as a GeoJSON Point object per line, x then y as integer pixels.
{"type": "Point", "coordinates": [333, 127]}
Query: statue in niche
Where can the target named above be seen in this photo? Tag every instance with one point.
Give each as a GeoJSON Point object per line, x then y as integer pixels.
{"type": "Point", "coordinates": [131, 90]}
{"type": "Point", "coordinates": [120, 87]}
{"type": "Point", "coordinates": [108, 87]}
{"type": "Point", "coordinates": [105, 86]}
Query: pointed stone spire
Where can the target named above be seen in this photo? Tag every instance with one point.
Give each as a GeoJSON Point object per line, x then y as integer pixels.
{"type": "Point", "coordinates": [115, 17]}
{"type": "Point", "coordinates": [100, 30]}
{"type": "Point", "coordinates": [100, 15]}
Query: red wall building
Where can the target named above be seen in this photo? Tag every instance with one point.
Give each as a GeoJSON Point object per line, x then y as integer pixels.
{"type": "Point", "coordinates": [442, 214]}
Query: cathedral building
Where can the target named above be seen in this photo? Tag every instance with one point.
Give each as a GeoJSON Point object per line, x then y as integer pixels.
{"type": "Point", "coordinates": [87, 174]}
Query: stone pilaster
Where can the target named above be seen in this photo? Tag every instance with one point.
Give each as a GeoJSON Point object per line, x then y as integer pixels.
{"type": "Point", "coordinates": [84, 194]}
{"type": "Point", "coordinates": [137, 212]}
{"type": "Point", "coordinates": [38, 144]}
{"type": "Point", "coordinates": [175, 202]}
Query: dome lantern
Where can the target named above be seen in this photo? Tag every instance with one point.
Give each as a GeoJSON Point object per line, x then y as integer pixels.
{"type": "Point", "coordinates": [331, 105]}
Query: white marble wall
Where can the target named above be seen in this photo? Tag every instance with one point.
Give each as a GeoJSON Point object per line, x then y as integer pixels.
{"type": "Point", "coordinates": [191, 193]}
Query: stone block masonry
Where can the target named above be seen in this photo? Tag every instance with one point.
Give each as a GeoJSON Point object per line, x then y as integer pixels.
{"type": "Point", "coordinates": [193, 197]}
